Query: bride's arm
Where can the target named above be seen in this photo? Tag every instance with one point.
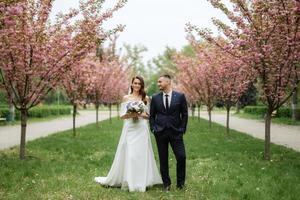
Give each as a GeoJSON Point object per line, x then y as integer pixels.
{"type": "Point", "coordinates": [127, 116]}
{"type": "Point", "coordinates": [145, 114]}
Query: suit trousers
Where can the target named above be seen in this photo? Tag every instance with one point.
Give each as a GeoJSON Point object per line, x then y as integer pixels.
{"type": "Point", "coordinates": [163, 139]}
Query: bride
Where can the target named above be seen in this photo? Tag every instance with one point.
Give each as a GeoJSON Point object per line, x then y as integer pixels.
{"type": "Point", "coordinates": [134, 166]}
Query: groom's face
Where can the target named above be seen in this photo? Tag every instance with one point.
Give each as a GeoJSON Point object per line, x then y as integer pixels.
{"type": "Point", "coordinates": [163, 83]}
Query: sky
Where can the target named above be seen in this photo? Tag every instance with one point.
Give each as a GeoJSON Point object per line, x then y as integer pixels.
{"type": "Point", "coordinates": [155, 24]}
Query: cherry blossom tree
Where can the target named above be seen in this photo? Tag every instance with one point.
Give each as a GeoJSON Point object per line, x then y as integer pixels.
{"type": "Point", "coordinates": [192, 97]}
{"type": "Point", "coordinates": [6, 3]}
{"type": "Point", "coordinates": [116, 86]}
{"type": "Point", "coordinates": [185, 82]}
{"type": "Point", "coordinates": [233, 81]}
{"type": "Point", "coordinates": [265, 36]}
{"type": "Point", "coordinates": [37, 53]}
{"type": "Point", "coordinates": [206, 77]}
{"type": "Point", "coordinates": [117, 83]}
{"type": "Point", "coordinates": [109, 80]}
{"type": "Point", "coordinates": [233, 78]}
{"type": "Point", "coordinates": [101, 73]}
{"type": "Point", "coordinates": [197, 74]}
{"type": "Point", "coordinates": [76, 83]}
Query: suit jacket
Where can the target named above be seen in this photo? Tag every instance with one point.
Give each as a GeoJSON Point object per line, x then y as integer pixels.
{"type": "Point", "coordinates": [175, 118]}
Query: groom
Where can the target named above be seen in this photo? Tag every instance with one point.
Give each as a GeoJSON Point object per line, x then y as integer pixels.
{"type": "Point", "coordinates": [168, 121]}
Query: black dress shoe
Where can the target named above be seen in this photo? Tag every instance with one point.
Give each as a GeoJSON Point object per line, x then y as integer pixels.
{"type": "Point", "coordinates": [180, 187]}
{"type": "Point", "coordinates": [166, 188]}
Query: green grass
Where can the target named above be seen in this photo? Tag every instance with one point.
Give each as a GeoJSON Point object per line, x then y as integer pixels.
{"type": "Point", "coordinates": [61, 167]}
{"type": "Point", "coordinates": [276, 120]}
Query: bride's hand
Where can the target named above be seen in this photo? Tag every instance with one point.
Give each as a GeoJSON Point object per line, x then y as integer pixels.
{"type": "Point", "coordinates": [144, 115]}
{"type": "Point", "coordinates": [135, 116]}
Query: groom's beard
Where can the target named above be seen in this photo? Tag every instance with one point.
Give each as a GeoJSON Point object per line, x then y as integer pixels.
{"type": "Point", "coordinates": [161, 88]}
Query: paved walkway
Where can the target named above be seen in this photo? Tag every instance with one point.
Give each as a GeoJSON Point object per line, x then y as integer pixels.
{"type": "Point", "coordinates": [10, 135]}
{"type": "Point", "coordinates": [280, 134]}
{"type": "Point", "coordinates": [285, 135]}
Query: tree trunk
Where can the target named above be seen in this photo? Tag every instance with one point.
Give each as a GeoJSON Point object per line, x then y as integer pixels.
{"type": "Point", "coordinates": [58, 96]}
{"type": "Point", "coordinates": [199, 105]}
{"type": "Point", "coordinates": [193, 110]}
{"type": "Point", "coordinates": [11, 117]}
{"type": "Point", "coordinates": [24, 117]}
{"type": "Point", "coordinates": [238, 107]}
{"type": "Point", "coordinates": [209, 117]}
{"type": "Point", "coordinates": [74, 119]}
{"type": "Point", "coordinates": [109, 112]}
{"type": "Point", "coordinates": [118, 110]}
{"type": "Point", "coordinates": [268, 118]}
{"type": "Point", "coordinates": [227, 119]}
{"type": "Point", "coordinates": [295, 114]}
{"type": "Point", "coordinates": [97, 114]}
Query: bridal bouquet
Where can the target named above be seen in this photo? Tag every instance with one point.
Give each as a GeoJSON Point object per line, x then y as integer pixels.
{"type": "Point", "coordinates": [135, 107]}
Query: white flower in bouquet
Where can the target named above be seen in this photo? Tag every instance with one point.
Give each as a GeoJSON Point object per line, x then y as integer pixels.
{"type": "Point", "coordinates": [135, 107]}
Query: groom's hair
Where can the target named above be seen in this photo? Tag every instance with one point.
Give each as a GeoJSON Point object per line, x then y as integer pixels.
{"type": "Point", "coordinates": [166, 76]}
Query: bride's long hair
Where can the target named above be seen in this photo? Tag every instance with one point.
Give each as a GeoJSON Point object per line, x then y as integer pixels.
{"type": "Point", "coordinates": [142, 90]}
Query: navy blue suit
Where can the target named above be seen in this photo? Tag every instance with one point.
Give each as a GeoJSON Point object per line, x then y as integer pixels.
{"type": "Point", "coordinates": [169, 126]}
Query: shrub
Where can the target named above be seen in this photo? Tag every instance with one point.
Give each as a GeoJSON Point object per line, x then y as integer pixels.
{"type": "Point", "coordinates": [261, 110]}
{"type": "Point", "coordinates": [255, 110]}
{"type": "Point", "coordinates": [39, 112]}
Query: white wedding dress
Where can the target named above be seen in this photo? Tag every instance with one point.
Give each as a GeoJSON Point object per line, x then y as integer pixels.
{"type": "Point", "coordinates": [134, 166]}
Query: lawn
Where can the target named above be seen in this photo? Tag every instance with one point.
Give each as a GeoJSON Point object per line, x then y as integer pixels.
{"type": "Point", "coordinates": [218, 167]}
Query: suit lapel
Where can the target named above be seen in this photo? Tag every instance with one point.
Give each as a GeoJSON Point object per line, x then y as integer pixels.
{"type": "Point", "coordinates": [162, 102]}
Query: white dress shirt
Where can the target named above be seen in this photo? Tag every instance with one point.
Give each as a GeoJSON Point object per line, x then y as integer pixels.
{"type": "Point", "coordinates": [169, 98]}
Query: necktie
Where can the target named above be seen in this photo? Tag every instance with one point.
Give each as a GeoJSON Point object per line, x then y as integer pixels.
{"type": "Point", "coordinates": [167, 102]}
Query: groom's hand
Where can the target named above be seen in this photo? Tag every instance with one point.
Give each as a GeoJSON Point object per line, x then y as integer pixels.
{"type": "Point", "coordinates": [182, 130]}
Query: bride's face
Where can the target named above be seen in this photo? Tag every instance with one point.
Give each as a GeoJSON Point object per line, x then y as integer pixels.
{"type": "Point", "coordinates": [136, 85]}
